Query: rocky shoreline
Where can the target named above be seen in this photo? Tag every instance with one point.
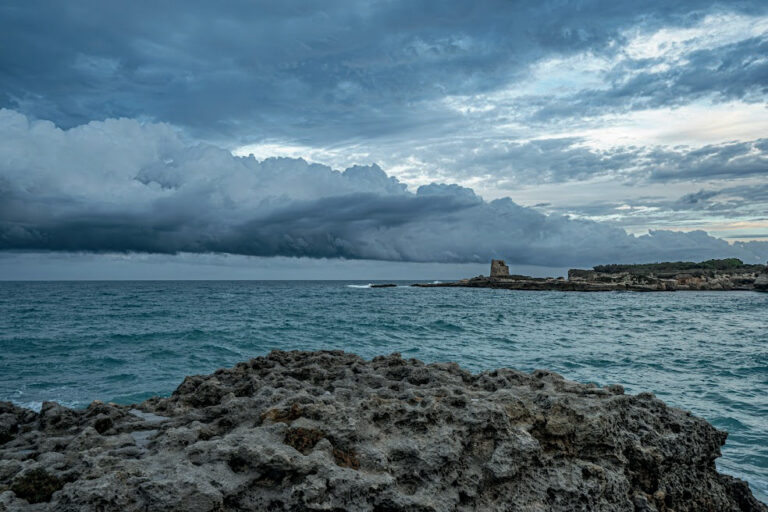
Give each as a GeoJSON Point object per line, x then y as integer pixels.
{"type": "Point", "coordinates": [713, 275]}
{"type": "Point", "coordinates": [331, 431]}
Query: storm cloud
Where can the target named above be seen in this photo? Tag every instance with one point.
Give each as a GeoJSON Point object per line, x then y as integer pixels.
{"type": "Point", "coordinates": [562, 160]}
{"type": "Point", "coordinates": [339, 70]}
{"type": "Point", "coordinates": [543, 132]}
{"type": "Point", "coordinates": [124, 186]}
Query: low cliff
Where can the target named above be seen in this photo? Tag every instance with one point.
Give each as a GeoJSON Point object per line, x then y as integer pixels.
{"type": "Point", "coordinates": [331, 431]}
{"type": "Point", "coordinates": [725, 274]}
{"type": "Point", "coordinates": [712, 275]}
{"type": "Point", "coordinates": [761, 283]}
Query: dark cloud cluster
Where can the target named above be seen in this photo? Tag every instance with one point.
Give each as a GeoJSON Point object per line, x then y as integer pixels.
{"type": "Point", "coordinates": [336, 70]}
{"type": "Point", "coordinates": [498, 95]}
{"type": "Point", "coordinates": [560, 160]}
{"type": "Point", "coordinates": [732, 71]}
{"type": "Point", "coordinates": [739, 212]}
{"type": "Point", "coordinates": [727, 201]}
{"type": "Point", "coordinates": [721, 161]}
{"type": "Point", "coordinates": [141, 188]}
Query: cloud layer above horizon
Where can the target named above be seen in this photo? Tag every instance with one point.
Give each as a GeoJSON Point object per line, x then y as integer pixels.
{"type": "Point", "coordinates": [576, 122]}
{"type": "Point", "coordinates": [123, 186]}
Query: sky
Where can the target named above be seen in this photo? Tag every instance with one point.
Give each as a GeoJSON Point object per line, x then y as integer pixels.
{"type": "Point", "coordinates": [378, 139]}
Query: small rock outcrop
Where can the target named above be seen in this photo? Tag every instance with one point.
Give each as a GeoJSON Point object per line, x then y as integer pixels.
{"type": "Point", "coordinates": [330, 431]}
{"type": "Point", "coordinates": [761, 283]}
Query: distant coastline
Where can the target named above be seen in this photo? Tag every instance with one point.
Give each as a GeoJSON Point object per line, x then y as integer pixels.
{"type": "Point", "coordinates": [712, 275]}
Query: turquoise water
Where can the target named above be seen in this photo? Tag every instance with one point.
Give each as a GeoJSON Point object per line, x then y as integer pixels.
{"type": "Point", "coordinates": [75, 342]}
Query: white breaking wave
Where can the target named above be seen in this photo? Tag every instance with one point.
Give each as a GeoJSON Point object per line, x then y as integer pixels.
{"type": "Point", "coordinates": [38, 406]}
{"type": "Point", "coordinates": [35, 406]}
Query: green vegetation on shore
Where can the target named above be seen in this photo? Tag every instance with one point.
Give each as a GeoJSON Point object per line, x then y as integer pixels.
{"type": "Point", "coordinates": [728, 264]}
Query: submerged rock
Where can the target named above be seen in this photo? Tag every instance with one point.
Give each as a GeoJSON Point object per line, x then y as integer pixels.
{"type": "Point", "coordinates": [331, 431]}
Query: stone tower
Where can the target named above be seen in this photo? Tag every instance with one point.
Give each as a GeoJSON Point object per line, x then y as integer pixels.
{"type": "Point", "coordinates": [499, 268]}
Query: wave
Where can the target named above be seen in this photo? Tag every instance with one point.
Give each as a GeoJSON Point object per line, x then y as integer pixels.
{"type": "Point", "coordinates": [359, 285]}
{"type": "Point", "coordinates": [37, 406]}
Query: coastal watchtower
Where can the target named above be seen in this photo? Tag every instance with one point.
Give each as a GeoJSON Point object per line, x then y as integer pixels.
{"type": "Point", "coordinates": [499, 269]}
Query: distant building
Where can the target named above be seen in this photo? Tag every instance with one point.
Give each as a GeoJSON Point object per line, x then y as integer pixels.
{"type": "Point", "coordinates": [499, 268]}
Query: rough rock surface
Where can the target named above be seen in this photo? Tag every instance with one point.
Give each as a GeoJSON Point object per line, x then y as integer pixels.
{"type": "Point", "coordinates": [331, 431]}
{"type": "Point", "coordinates": [761, 283]}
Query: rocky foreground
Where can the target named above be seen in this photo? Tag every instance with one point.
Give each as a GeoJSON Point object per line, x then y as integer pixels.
{"type": "Point", "coordinates": [331, 431]}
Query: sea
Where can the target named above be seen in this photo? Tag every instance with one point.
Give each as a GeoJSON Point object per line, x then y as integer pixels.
{"type": "Point", "coordinates": [124, 341]}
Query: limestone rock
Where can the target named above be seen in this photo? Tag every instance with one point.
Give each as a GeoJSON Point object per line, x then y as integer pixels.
{"type": "Point", "coordinates": [330, 431]}
{"type": "Point", "coordinates": [761, 283]}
